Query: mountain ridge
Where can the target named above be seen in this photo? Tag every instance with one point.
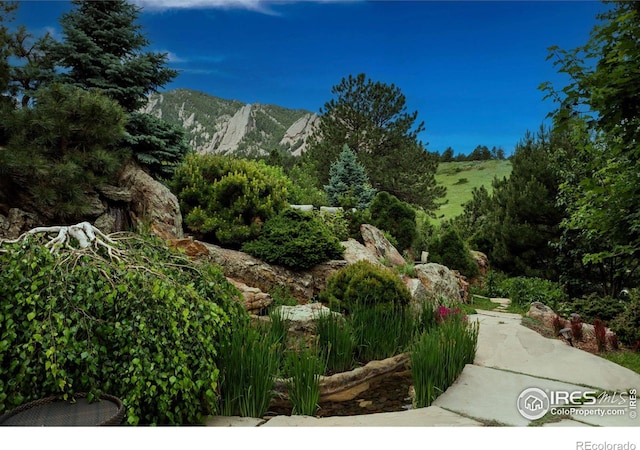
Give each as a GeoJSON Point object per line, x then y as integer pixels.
{"type": "Point", "coordinates": [231, 127]}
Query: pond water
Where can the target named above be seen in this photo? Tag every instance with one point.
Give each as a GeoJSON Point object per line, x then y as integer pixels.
{"type": "Point", "coordinates": [390, 394]}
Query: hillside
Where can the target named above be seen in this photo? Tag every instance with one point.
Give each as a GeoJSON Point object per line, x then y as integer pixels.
{"type": "Point", "coordinates": [215, 125]}
{"type": "Point", "coordinates": [461, 177]}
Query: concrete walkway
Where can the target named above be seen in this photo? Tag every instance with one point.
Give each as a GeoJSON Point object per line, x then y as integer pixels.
{"type": "Point", "coordinates": [510, 359]}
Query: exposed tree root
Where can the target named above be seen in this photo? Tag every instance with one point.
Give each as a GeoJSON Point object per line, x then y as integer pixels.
{"type": "Point", "coordinates": [85, 235]}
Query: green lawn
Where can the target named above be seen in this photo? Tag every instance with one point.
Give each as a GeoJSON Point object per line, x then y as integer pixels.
{"type": "Point", "coordinates": [628, 359]}
{"type": "Point", "coordinates": [461, 177]}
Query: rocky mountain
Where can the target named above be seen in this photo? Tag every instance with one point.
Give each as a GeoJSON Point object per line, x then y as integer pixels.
{"type": "Point", "coordinates": [215, 125]}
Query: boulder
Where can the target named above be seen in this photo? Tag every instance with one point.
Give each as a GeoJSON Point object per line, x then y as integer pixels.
{"type": "Point", "coordinates": [441, 284]}
{"type": "Point", "coordinates": [302, 318]}
{"type": "Point", "coordinates": [152, 203]}
{"type": "Point", "coordinates": [302, 284]}
{"type": "Point", "coordinates": [542, 312]}
{"type": "Point", "coordinates": [17, 222]}
{"type": "Point", "coordinates": [190, 247]}
{"type": "Point", "coordinates": [482, 261]}
{"type": "Point", "coordinates": [354, 251]}
{"type": "Point", "coordinates": [376, 242]}
{"type": "Point", "coordinates": [255, 301]}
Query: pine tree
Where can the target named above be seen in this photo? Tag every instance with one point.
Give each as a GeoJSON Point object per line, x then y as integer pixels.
{"type": "Point", "coordinates": [348, 182]}
{"type": "Point", "coordinates": [103, 49]}
{"type": "Point", "coordinates": [372, 119]}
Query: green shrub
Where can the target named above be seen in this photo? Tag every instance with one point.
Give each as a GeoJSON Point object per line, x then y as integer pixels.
{"type": "Point", "coordinates": [523, 291]}
{"type": "Point", "coordinates": [227, 200]}
{"type": "Point", "coordinates": [295, 239]}
{"type": "Point", "coordinates": [147, 329]}
{"type": "Point", "coordinates": [593, 307]}
{"type": "Point", "coordinates": [390, 214]}
{"type": "Point", "coordinates": [450, 250]}
{"type": "Point", "coordinates": [364, 283]}
{"type": "Point", "coordinates": [627, 324]}
{"type": "Point", "coordinates": [337, 223]}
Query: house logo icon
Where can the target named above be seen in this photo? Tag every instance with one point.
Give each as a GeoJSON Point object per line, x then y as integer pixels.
{"type": "Point", "coordinates": [533, 403]}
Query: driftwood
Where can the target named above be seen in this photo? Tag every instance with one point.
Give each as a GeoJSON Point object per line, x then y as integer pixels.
{"type": "Point", "coordinates": [86, 235]}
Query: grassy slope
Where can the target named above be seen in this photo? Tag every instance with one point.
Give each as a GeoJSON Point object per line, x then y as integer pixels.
{"type": "Point", "coordinates": [477, 173]}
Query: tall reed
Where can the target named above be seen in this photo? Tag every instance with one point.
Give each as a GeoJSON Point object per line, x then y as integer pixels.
{"type": "Point", "coordinates": [336, 342]}
{"type": "Point", "coordinates": [439, 356]}
{"type": "Point", "coordinates": [381, 330]}
{"type": "Point", "coordinates": [304, 367]}
{"type": "Point", "coordinates": [248, 365]}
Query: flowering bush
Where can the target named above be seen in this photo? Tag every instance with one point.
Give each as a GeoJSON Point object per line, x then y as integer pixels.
{"type": "Point", "coordinates": [443, 313]}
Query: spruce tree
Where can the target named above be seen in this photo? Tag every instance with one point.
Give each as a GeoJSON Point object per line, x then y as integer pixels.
{"type": "Point", "coordinates": [348, 182]}
{"type": "Point", "coordinates": [103, 49]}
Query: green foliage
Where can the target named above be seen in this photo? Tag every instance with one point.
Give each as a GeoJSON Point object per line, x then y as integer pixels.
{"type": "Point", "coordinates": [627, 324]}
{"type": "Point", "coordinates": [103, 49]}
{"type": "Point", "coordinates": [227, 200]}
{"type": "Point", "coordinates": [381, 330]}
{"type": "Point", "coordinates": [516, 225]}
{"type": "Point", "coordinates": [372, 119]}
{"type": "Point", "coordinates": [598, 112]}
{"type": "Point", "coordinates": [336, 342]}
{"type": "Point", "coordinates": [305, 189]}
{"type": "Point", "coordinates": [248, 364]}
{"type": "Point", "coordinates": [304, 367]}
{"type": "Point", "coordinates": [147, 329]}
{"type": "Point", "coordinates": [448, 248]}
{"type": "Point", "coordinates": [61, 149]}
{"type": "Point", "coordinates": [439, 356]}
{"type": "Point", "coordinates": [390, 214]}
{"type": "Point", "coordinates": [295, 239]}
{"type": "Point", "coordinates": [348, 182]}
{"type": "Point", "coordinates": [364, 283]}
{"type": "Point", "coordinates": [593, 307]}
{"type": "Point", "coordinates": [337, 222]}
{"type": "Point", "coordinates": [157, 145]}
{"type": "Point", "coordinates": [523, 291]}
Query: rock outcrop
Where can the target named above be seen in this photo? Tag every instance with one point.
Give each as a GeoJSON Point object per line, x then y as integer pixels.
{"type": "Point", "coordinates": [303, 284]}
{"type": "Point", "coordinates": [441, 284]}
{"type": "Point", "coordinates": [380, 246]}
{"type": "Point", "coordinates": [230, 127]}
{"type": "Point", "coordinates": [17, 222]}
{"type": "Point", "coordinates": [299, 133]}
{"type": "Point", "coordinates": [152, 203]}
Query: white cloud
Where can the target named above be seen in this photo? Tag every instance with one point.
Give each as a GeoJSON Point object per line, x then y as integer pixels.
{"type": "Point", "coordinates": [253, 5]}
{"type": "Point", "coordinates": [160, 5]}
{"type": "Point", "coordinates": [173, 58]}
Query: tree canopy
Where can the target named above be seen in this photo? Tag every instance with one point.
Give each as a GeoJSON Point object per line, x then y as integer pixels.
{"type": "Point", "coordinates": [103, 47]}
{"type": "Point", "coordinates": [599, 110]}
{"type": "Point", "coordinates": [371, 118]}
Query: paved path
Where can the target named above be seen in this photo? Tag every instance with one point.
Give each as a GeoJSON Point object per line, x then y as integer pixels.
{"type": "Point", "coordinates": [510, 359]}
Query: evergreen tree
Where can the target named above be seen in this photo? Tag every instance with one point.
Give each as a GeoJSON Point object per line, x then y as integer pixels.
{"type": "Point", "coordinates": [156, 144]}
{"type": "Point", "coordinates": [396, 217]}
{"type": "Point", "coordinates": [447, 155]}
{"type": "Point", "coordinates": [522, 218]}
{"type": "Point", "coordinates": [372, 119]}
{"type": "Point", "coordinates": [103, 49]}
{"type": "Point", "coordinates": [600, 111]}
{"type": "Point", "coordinates": [59, 150]}
{"type": "Point", "coordinates": [348, 183]}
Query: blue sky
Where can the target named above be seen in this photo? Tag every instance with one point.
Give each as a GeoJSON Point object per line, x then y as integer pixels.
{"type": "Point", "coordinates": [471, 69]}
